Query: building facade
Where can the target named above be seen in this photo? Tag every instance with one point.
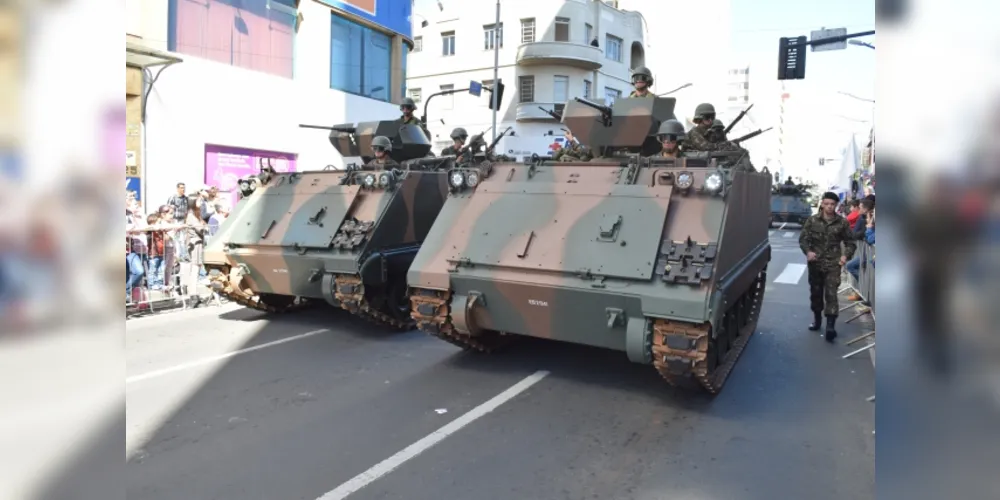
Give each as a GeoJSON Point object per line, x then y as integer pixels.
{"type": "Point", "coordinates": [215, 87]}
{"type": "Point", "coordinates": [549, 53]}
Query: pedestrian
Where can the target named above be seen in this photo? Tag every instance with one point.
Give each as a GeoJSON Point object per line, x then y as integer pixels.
{"type": "Point", "coordinates": [820, 240]}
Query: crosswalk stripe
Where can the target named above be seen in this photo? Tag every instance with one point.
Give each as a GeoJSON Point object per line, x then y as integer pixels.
{"type": "Point", "coordinates": [792, 274]}
{"type": "Point", "coordinates": [770, 233]}
{"type": "Point", "coordinates": [788, 234]}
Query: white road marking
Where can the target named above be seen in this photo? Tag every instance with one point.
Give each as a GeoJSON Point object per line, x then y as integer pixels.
{"type": "Point", "coordinates": [788, 234]}
{"type": "Point", "coordinates": [792, 274]}
{"type": "Point", "coordinates": [388, 465]}
{"type": "Point", "coordinates": [212, 359]}
{"type": "Point", "coordinates": [770, 233]}
{"type": "Point", "coordinates": [782, 226]}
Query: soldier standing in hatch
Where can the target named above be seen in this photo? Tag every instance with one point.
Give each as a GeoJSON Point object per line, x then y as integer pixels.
{"type": "Point", "coordinates": [820, 240]}
{"type": "Point", "coordinates": [572, 151]}
{"type": "Point", "coordinates": [642, 79]}
{"type": "Point", "coordinates": [381, 145]}
{"type": "Point", "coordinates": [458, 137]}
{"type": "Point", "coordinates": [670, 134]}
{"type": "Point", "coordinates": [408, 107]}
{"type": "Point", "coordinates": [717, 132]}
{"type": "Point", "coordinates": [697, 138]}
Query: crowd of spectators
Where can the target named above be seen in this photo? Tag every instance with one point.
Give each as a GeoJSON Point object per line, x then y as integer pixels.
{"type": "Point", "coordinates": [861, 217]}
{"type": "Point", "coordinates": [164, 248]}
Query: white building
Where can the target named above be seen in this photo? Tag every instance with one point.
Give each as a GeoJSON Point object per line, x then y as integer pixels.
{"type": "Point", "coordinates": [244, 77]}
{"type": "Point", "coordinates": [546, 58]}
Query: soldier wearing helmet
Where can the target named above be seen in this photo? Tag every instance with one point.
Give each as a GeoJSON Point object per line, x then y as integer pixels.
{"type": "Point", "coordinates": [697, 138]}
{"type": "Point", "coordinates": [381, 145]}
{"type": "Point", "coordinates": [670, 135]}
{"type": "Point", "coordinates": [642, 79]}
{"type": "Point", "coordinates": [572, 150]}
{"type": "Point", "coordinates": [717, 132]}
{"type": "Point", "coordinates": [408, 107]}
{"type": "Point", "coordinates": [458, 136]}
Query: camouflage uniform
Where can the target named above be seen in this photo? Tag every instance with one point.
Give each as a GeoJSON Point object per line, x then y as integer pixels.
{"type": "Point", "coordinates": [635, 95]}
{"type": "Point", "coordinates": [412, 120]}
{"type": "Point", "coordinates": [576, 152]}
{"type": "Point", "coordinates": [825, 238]}
{"type": "Point", "coordinates": [642, 74]}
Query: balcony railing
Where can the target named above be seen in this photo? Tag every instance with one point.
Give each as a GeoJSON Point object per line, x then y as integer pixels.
{"type": "Point", "coordinates": [577, 55]}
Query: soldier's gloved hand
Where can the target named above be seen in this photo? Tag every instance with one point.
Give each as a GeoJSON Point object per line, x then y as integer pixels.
{"type": "Point", "coordinates": [811, 256]}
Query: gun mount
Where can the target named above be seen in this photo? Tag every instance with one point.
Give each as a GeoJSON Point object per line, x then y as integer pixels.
{"type": "Point", "coordinates": [408, 141]}
{"type": "Point", "coordinates": [627, 126]}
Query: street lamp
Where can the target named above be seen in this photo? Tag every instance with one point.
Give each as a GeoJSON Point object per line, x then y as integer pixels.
{"type": "Point", "coordinates": [682, 87]}
{"type": "Point", "coordinates": [859, 43]}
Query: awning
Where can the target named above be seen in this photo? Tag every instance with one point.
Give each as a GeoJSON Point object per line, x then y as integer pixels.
{"type": "Point", "coordinates": [140, 56]}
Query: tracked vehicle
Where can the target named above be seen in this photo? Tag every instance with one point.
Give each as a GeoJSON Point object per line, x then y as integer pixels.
{"type": "Point", "coordinates": [343, 237]}
{"type": "Point", "coordinates": [790, 203]}
{"type": "Point", "coordinates": [664, 259]}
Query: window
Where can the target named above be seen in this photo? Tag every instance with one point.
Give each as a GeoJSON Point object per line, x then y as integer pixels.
{"type": "Point", "coordinates": [610, 95]}
{"type": "Point", "coordinates": [492, 36]}
{"type": "Point", "coordinates": [562, 29]}
{"type": "Point", "coordinates": [613, 48]}
{"type": "Point", "coordinates": [360, 59]}
{"type": "Point", "coordinates": [449, 99]}
{"type": "Point", "coordinates": [257, 39]}
{"type": "Point", "coordinates": [588, 33]}
{"type": "Point", "coordinates": [417, 95]}
{"type": "Point", "coordinates": [448, 43]}
{"type": "Point", "coordinates": [526, 86]}
{"type": "Point", "coordinates": [418, 44]}
{"type": "Point", "coordinates": [587, 87]}
{"type": "Point", "coordinates": [560, 89]}
{"type": "Point", "coordinates": [527, 30]}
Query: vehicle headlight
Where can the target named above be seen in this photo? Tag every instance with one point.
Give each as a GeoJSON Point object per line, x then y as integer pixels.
{"type": "Point", "coordinates": [384, 179]}
{"type": "Point", "coordinates": [713, 182]}
{"type": "Point", "coordinates": [370, 180]}
{"type": "Point", "coordinates": [244, 186]}
{"type": "Point", "coordinates": [457, 179]}
{"type": "Point", "coordinates": [472, 179]}
{"type": "Point", "coordinates": [684, 180]}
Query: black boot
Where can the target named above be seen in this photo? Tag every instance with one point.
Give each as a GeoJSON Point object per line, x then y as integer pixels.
{"type": "Point", "coordinates": [817, 321]}
{"type": "Point", "coordinates": [831, 332]}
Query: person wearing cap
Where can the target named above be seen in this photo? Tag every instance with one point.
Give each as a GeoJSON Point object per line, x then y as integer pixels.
{"type": "Point", "coordinates": [821, 239]}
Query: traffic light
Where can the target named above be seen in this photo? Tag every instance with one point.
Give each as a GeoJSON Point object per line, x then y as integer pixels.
{"type": "Point", "coordinates": [792, 58]}
{"type": "Point", "coordinates": [497, 98]}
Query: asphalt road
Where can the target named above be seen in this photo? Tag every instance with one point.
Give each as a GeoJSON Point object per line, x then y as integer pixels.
{"type": "Point", "coordinates": [329, 405]}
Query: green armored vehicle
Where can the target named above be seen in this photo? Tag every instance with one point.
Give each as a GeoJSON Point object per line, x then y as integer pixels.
{"type": "Point", "coordinates": [345, 237]}
{"type": "Point", "coordinates": [790, 203]}
{"type": "Point", "coordinates": [662, 258]}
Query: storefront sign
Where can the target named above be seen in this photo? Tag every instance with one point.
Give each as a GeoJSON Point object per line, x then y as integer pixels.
{"type": "Point", "coordinates": [225, 166]}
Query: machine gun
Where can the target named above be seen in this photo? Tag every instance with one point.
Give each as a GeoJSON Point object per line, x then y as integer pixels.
{"type": "Point", "coordinates": [737, 120]}
{"type": "Point", "coordinates": [605, 111]}
{"type": "Point", "coordinates": [553, 113]}
{"type": "Point", "coordinates": [497, 140]}
{"type": "Point", "coordinates": [751, 135]}
{"type": "Point", "coordinates": [336, 128]}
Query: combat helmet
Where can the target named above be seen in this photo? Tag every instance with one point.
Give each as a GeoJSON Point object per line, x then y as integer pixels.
{"type": "Point", "coordinates": [704, 110]}
{"type": "Point", "coordinates": [642, 73]}
{"type": "Point", "coordinates": [407, 102]}
{"type": "Point", "coordinates": [459, 133]}
{"type": "Point", "coordinates": [717, 125]}
{"type": "Point", "coordinates": [671, 127]}
{"type": "Point", "coordinates": [381, 143]}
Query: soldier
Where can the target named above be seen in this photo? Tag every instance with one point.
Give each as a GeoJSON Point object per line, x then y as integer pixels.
{"type": "Point", "coordinates": [458, 136]}
{"type": "Point", "coordinates": [670, 134]}
{"type": "Point", "coordinates": [697, 138]}
{"type": "Point", "coordinates": [642, 79]}
{"type": "Point", "coordinates": [408, 107]}
{"type": "Point", "coordinates": [381, 145]}
{"type": "Point", "coordinates": [789, 181]}
{"type": "Point", "coordinates": [717, 132]}
{"type": "Point", "coordinates": [572, 151]}
{"type": "Point", "coordinates": [820, 239]}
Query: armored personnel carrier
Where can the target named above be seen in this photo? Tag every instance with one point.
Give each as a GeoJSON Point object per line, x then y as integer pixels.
{"type": "Point", "coordinates": [790, 203]}
{"type": "Point", "coordinates": [345, 237]}
{"type": "Point", "coordinates": [664, 259]}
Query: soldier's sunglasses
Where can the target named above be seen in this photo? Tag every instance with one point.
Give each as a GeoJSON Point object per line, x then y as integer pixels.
{"type": "Point", "coordinates": [379, 149]}
{"type": "Point", "coordinates": [705, 118]}
{"type": "Point", "coordinates": [405, 107]}
{"type": "Point", "coordinates": [668, 137]}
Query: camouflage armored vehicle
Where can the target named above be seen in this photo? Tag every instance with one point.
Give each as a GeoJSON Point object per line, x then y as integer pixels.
{"type": "Point", "coordinates": [345, 237]}
{"type": "Point", "coordinates": [664, 259]}
{"type": "Point", "coordinates": [790, 203]}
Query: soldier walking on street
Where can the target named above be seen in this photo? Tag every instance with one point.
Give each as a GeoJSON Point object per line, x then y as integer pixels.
{"type": "Point", "coordinates": [820, 240]}
{"type": "Point", "coordinates": [670, 134]}
{"type": "Point", "coordinates": [642, 79]}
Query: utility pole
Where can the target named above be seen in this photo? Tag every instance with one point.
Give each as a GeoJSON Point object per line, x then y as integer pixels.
{"type": "Point", "coordinates": [497, 34]}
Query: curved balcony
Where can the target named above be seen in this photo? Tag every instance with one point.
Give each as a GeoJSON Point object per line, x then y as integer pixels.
{"type": "Point", "coordinates": [529, 112]}
{"type": "Point", "coordinates": [560, 54]}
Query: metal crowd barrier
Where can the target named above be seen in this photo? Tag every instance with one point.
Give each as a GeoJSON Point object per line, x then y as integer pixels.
{"type": "Point", "coordinates": [166, 278]}
{"type": "Point", "coordinates": [864, 286]}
